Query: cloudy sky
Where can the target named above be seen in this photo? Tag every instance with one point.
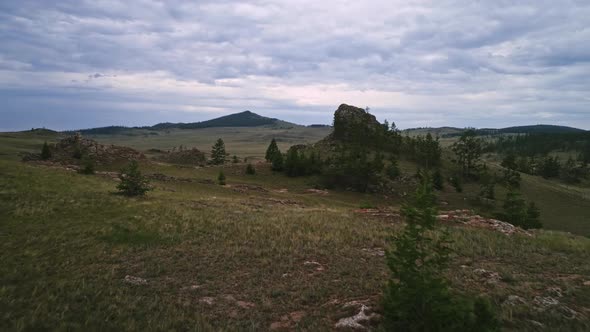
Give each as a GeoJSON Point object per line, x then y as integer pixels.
{"type": "Point", "coordinates": [84, 63]}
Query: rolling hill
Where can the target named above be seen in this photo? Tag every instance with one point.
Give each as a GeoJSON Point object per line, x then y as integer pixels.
{"type": "Point", "coordinates": [242, 119]}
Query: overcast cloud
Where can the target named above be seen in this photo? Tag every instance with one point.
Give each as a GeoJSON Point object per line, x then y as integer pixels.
{"type": "Point", "coordinates": [84, 63]}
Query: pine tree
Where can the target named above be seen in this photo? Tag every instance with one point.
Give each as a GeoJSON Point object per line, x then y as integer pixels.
{"type": "Point", "coordinates": [45, 151]}
{"type": "Point", "coordinates": [533, 214]}
{"type": "Point", "coordinates": [221, 178]}
{"type": "Point", "coordinates": [392, 169]}
{"type": "Point", "coordinates": [456, 183]}
{"type": "Point", "coordinates": [133, 183]}
{"type": "Point", "coordinates": [235, 159]}
{"type": "Point", "coordinates": [277, 162]}
{"type": "Point", "coordinates": [250, 170]}
{"type": "Point", "coordinates": [417, 297]}
{"type": "Point", "coordinates": [87, 165]}
{"type": "Point", "coordinates": [272, 151]}
{"type": "Point", "coordinates": [468, 150]}
{"type": "Point", "coordinates": [218, 154]}
{"type": "Point", "coordinates": [437, 180]}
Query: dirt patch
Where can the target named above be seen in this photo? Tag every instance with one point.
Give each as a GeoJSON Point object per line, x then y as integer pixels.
{"type": "Point", "coordinates": [383, 213]}
{"type": "Point", "coordinates": [243, 188]}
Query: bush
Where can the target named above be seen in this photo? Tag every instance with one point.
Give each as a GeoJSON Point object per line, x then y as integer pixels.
{"type": "Point", "coordinates": [277, 162]}
{"type": "Point", "coordinates": [87, 166]}
{"type": "Point", "coordinates": [437, 180]}
{"type": "Point", "coordinates": [45, 151]}
{"type": "Point", "coordinates": [417, 297]}
{"type": "Point", "coordinates": [133, 183]}
{"type": "Point", "coordinates": [250, 169]}
{"type": "Point", "coordinates": [456, 183]}
{"type": "Point", "coordinates": [221, 178]}
{"type": "Point", "coordinates": [392, 170]}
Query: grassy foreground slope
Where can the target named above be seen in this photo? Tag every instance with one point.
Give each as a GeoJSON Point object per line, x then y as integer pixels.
{"type": "Point", "coordinates": [261, 252]}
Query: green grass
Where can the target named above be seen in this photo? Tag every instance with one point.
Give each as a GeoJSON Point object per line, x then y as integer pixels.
{"type": "Point", "coordinates": [68, 241]}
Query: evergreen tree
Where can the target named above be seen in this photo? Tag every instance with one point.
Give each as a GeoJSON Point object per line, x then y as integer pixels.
{"type": "Point", "coordinates": [569, 172]}
{"type": "Point", "coordinates": [456, 183]}
{"type": "Point", "coordinates": [272, 151]}
{"type": "Point", "coordinates": [533, 216]}
{"type": "Point", "coordinates": [292, 162]}
{"type": "Point", "coordinates": [218, 154]}
{"type": "Point", "coordinates": [437, 180]}
{"type": "Point", "coordinates": [221, 178]}
{"type": "Point", "coordinates": [392, 169]}
{"type": "Point", "coordinates": [133, 183]}
{"type": "Point", "coordinates": [511, 178]}
{"type": "Point", "coordinates": [549, 167]}
{"type": "Point", "coordinates": [45, 151]}
{"type": "Point", "coordinates": [417, 297]}
{"type": "Point", "coordinates": [235, 159]}
{"type": "Point", "coordinates": [87, 165]}
{"type": "Point", "coordinates": [250, 170]}
{"type": "Point", "coordinates": [468, 151]}
{"type": "Point", "coordinates": [277, 162]}
{"type": "Point", "coordinates": [509, 161]}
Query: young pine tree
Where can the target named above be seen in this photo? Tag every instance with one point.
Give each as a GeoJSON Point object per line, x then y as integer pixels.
{"type": "Point", "coordinates": [417, 296]}
{"type": "Point", "coordinates": [437, 180]}
{"type": "Point", "coordinates": [133, 183]}
{"type": "Point", "coordinates": [277, 162]}
{"type": "Point", "coordinates": [45, 151]}
{"type": "Point", "coordinates": [250, 170]}
{"type": "Point", "coordinates": [87, 166]}
{"type": "Point", "coordinates": [272, 151]}
{"type": "Point", "coordinates": [392, 169]}
{"type": "Point", "coordinates": [218, 154]}
{"type": "Point", "coordinates": [221, 178]}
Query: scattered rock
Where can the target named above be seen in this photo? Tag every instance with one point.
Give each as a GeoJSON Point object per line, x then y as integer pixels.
{"type": "Point", "coordinates": [567, 312]}
{"type": "Point", "coordinates": [467, 218]}
{"type": "Point", "coordinates": [318, 266]}
{"type": "Point", "coordinates": [282, 191]}
{"type": "Point", "coordinates": [543, 302]}
{"type": "Point", "coordinates": [135, 280]}
{"type": "Point", "coordinates": [359, 321]}
{"type": "Point", "coordinates": [586, 283]}
{"type": "Point", "coordinates": [245, 304]}
{"type": "Point", "coordinates": [555, 291]}
{"type": "Point", "coordinates": [536, 324]}
{"type": "Point", "coordinates": [490, 277]}
{"type": "Point", "coordinates": [378, 213]}
{"type": "Point", "coordinates": [317, 191]}
{"type": "Point", "coordinates": [166, 178]}
{"type": "Point", "coordinates": [514, 300]}
{"type": "Point", "coordinates": [207, 300]}
{"type": "Point", "coordinates": [379, 252]}
{"type": "Point", "coordinates": [242, 188]}
{"type": "Point", "coordinates": [183, 157]}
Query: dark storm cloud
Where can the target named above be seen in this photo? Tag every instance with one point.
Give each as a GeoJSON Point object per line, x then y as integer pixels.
{"type": "Point", "coordinates": [461, 63]}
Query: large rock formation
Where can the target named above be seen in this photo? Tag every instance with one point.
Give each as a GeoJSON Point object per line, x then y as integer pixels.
{"type": "Point", "coordinates": [72, 149]}
{"type": "Point", "coordinates": [354, 125]}
{"type": "Point", "coordinates": [185, 157]}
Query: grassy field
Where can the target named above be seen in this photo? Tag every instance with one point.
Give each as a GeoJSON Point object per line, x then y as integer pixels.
{"type": "Point", "coordinates": [258, 253]}
{"type": "Point", "coordinates": [241, 141]}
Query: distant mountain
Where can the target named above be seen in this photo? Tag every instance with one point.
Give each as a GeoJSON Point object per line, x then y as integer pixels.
{"type": "Point", "coordinates": [242, 119]}
{"type": "Point", "coordinates": [532, 129]}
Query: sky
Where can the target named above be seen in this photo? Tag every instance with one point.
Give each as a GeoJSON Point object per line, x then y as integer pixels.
{"type": "Point", "coordinates": [74, 64]}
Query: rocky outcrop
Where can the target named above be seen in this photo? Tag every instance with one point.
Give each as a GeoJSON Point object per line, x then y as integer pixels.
{"type": "Point", "coordinates": [185, 157]}
{"type": "Point", "coordinates": [354, 124]}
{"type": "Point", "coordinates": [72, 149]}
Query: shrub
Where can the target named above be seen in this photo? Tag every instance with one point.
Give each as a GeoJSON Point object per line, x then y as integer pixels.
{"type": "Point", "coordinates": [277, 162]}
{"type": "Point", "coordinates": [250, 169]}
{"type": "Point", "coordinates": [456, 183]}
{"type": "Point", "coordinates": [133, 183]}
{"type": "Point", "coordinates": [221, 178]}
{"type": "Point", "coordinates": [437, 180]}
{"type": "Point", "coordinates": [45, 151]}
{"type": "Point", "coordinates": [392, 170]}
{"type": "Point", "coordinates": [417, 297]}
{"type": "Point", "coordinates": [87, 166]}
{"type": "Point", "coordinates": [235, 159]}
